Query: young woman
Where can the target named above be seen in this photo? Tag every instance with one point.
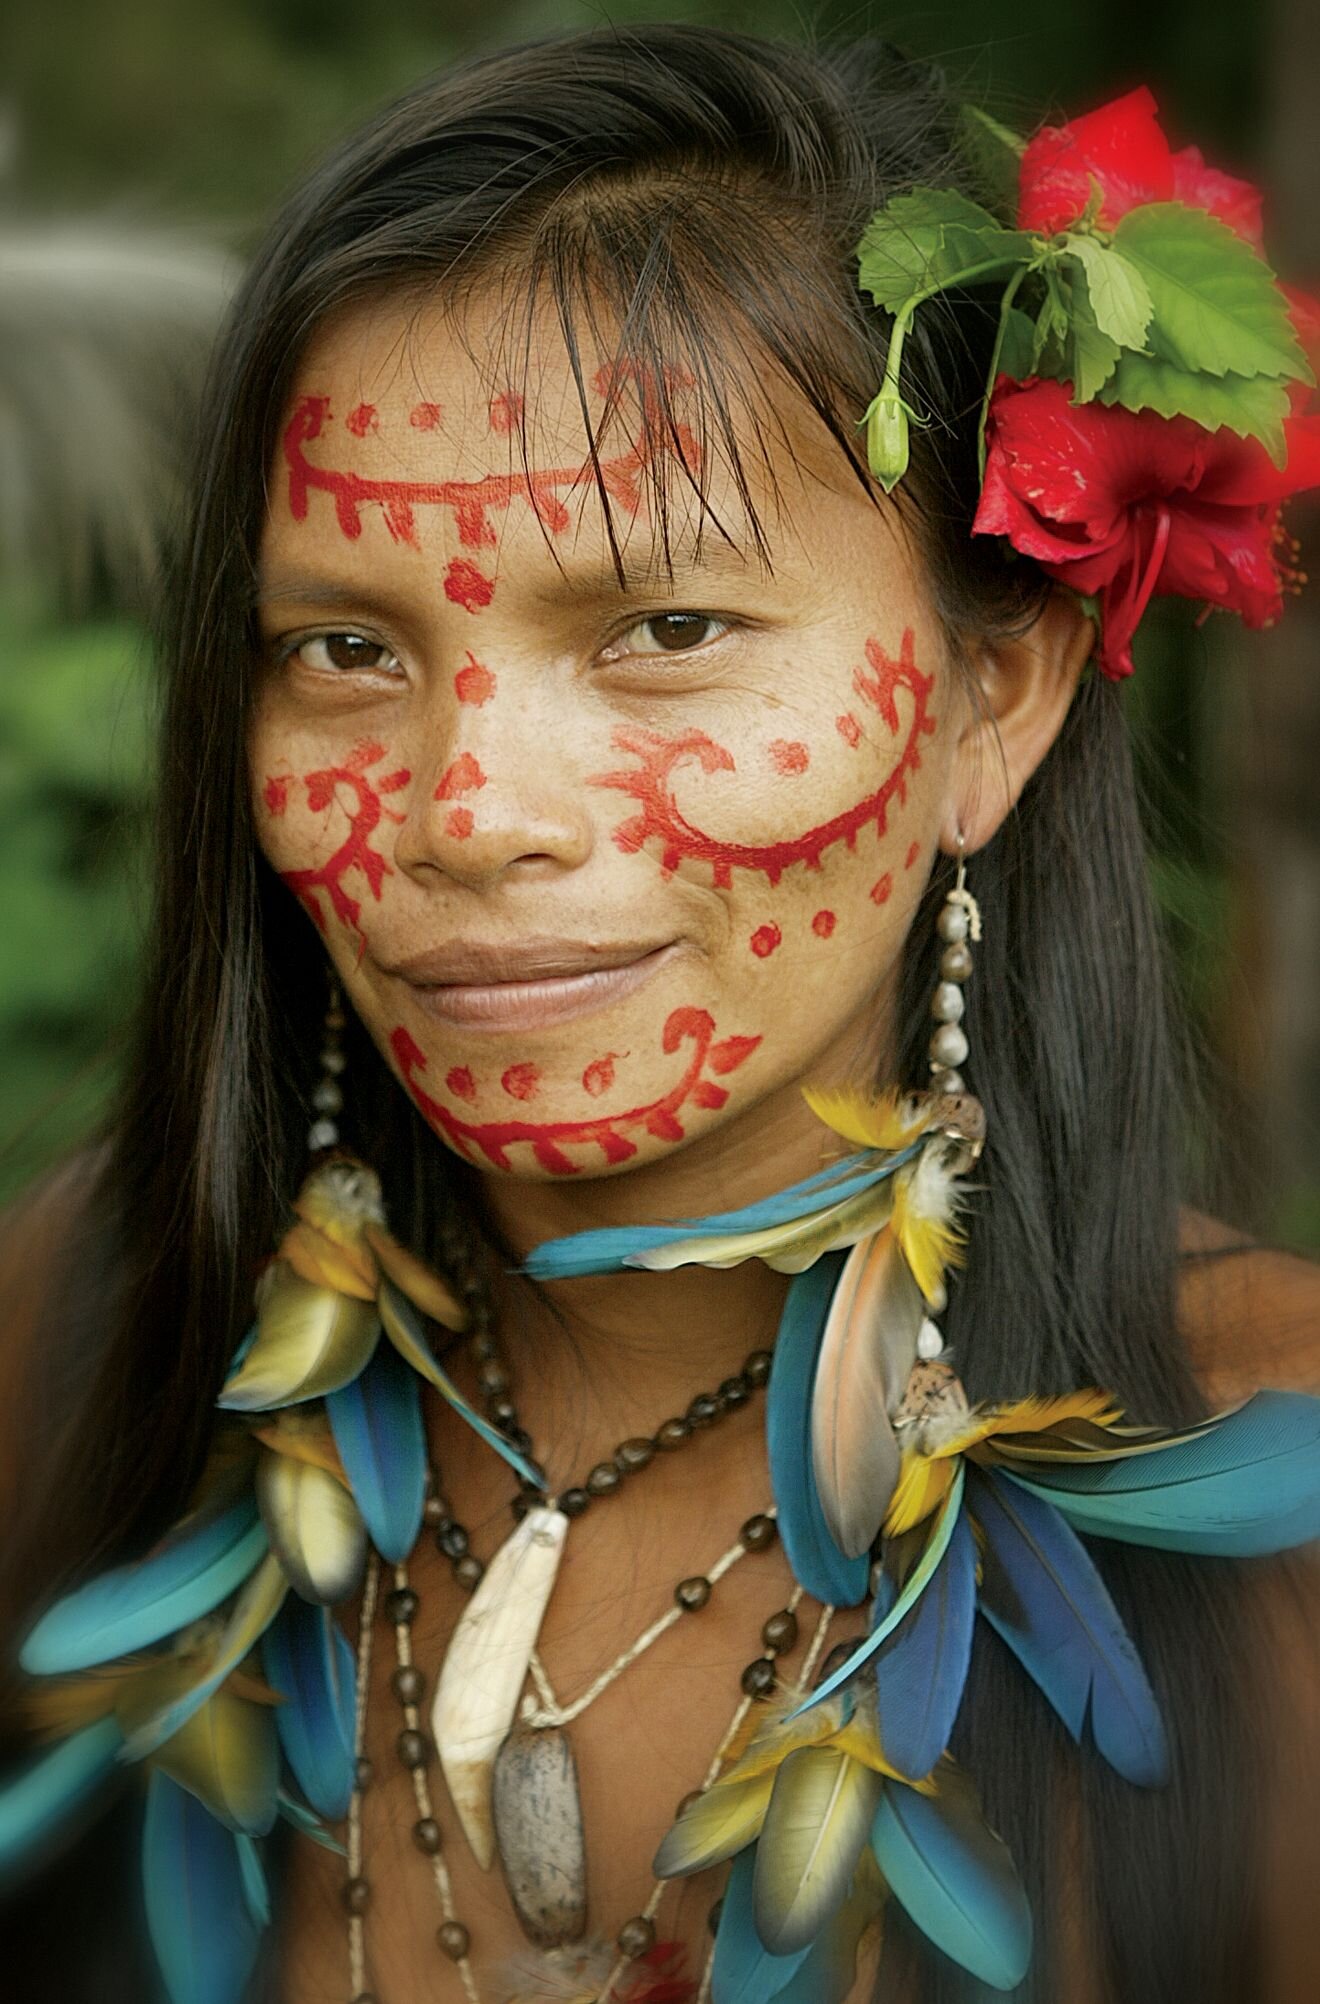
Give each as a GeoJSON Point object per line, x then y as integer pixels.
{"type": "Point", "coordinates": [572, 750]}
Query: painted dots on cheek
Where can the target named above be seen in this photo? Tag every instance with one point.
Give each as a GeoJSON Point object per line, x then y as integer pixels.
{"type": "Point", "coordinates": [914, 850]}
{"type": "Point", "coordinates": [473, 683]}
{"type": "Point", "coordinates": [464, 775]}
{"type": "Point", "coordinates": [764, 940]}
{"type": "Point", "coordinates": [465, 585]}
{"type": "Point", "coordinates": [788, 756]}
{"type": "Point", "coordinates": [426, 417]}
{"type": "Point", "coordinates": [505, 411]}
{"type": "Point", "coordinates": [823, 924]}
{"type": "Point", "coordinates": [521, 1081]}
{"type": "Point", "coordinates": [599, 1074]}
{"type": "Point", "coordinates": [849, 729]}
{"type": "Point", "coordinates": [275, 793]}
{"type": "Point", "coordinates": [880, 891]}
{"type": "Point", "coordinates": [362, 420]}
{"type": "Point", "coordinates": [461, 1083]}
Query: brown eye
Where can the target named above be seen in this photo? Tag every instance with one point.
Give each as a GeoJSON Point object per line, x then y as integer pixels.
{"type": "Point", "coordinates": [677, 630]}
{"type": "Point", "coordinates": [343, 653]}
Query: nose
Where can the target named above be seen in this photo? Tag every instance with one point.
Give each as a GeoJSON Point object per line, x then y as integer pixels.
{"type": "Point", "coordinates": [494, 799]}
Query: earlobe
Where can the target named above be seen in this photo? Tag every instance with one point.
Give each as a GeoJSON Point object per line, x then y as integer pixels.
{"type": "Point", "coordinates": [1025, 686]}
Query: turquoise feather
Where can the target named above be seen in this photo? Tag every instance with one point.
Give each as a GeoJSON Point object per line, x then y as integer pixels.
{"type": "Point", "coordinates": [942, 1531]}
{"type": "Point", "coordinates": [1246, 1485]}
{"type": "Point", "coordinates": [299, 1817]}
{"type": "Point", "coordinates": [377, 1424]}
{"type": "Point", "coordinates": [308, 1661]}
{"type": "Point", "coordinates": [955, 1878]}
{"type": "Point", "coordinates": [36, 1801]}
{"type": "Point", "coordinates": [198, 1911]}
{"type": "Point", "coordinates": [197, 1566]}
{"type": "Point", "coordinates": [745, 1972]}
{"type": "Point", "coordinates": [407, 1332]}
{"type": "Point", "coordinates": [922, 1669]}
{"type": "Point", "coordinates": [817, 1563]}
{"type": "Point", "coordinates": [255, 1890]}
{"type": "Point", "coordinates": [1041, 1592]}
{"type": "Point", "coordinates": [252, 1613]}
{"type": "Point", "coordinates": [611, 1249]}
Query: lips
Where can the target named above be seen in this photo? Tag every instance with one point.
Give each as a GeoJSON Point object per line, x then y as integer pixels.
{"type": "Point", "coordinates": [528, 985]}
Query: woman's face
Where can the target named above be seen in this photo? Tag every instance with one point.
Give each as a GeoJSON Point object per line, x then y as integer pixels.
{"type": "Point", "coordinates": [602, 868]}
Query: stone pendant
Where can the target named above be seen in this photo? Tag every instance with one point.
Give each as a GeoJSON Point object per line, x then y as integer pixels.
{"type": "Point", "coordinates": [538, 1833]}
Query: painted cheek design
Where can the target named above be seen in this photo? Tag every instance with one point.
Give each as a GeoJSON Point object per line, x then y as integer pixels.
{"type": "Point", "coordinates": [679, 840]}
{"type": "Point", "coordinates": [471, 502]}
{"type": "Point", "coordinates": [548, 1140]}
{"type": "Point", "coordinates": [764, 940]}
{"type": "Point", "coordinates": [355, 851]}
{"type": "Point", "coordinates": [473, 683]}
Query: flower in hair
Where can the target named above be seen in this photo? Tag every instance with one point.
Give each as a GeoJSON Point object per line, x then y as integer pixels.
{"type": "Point", "coordinates": [1142, 419]}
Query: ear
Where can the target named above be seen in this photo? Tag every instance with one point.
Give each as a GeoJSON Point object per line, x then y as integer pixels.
{"type": "Point", "coordinates": [1026, 685]}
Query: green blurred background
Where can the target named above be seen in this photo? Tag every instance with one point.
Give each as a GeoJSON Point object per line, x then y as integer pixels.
{"type": "Point", "coordinates": [142, 147]}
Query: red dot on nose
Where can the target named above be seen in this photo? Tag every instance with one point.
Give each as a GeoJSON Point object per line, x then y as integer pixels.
{"type": "Point", "coordinates": [764, 940]}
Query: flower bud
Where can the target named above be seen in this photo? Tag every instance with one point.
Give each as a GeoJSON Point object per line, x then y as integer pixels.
{"type": "Point", "coordinates": [887, 438]}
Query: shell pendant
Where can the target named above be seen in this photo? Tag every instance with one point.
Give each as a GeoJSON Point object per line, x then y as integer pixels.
{"type": "Point", "coordinates": [485, 1668]}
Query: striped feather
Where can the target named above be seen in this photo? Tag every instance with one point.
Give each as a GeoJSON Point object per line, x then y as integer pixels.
{"type": "Point", "coordinates": [252, 1613]}
{"type": "Point", "coordinates": [1041, 1592]}
{"type": "Point", "coordinates": [407, 1332]}
{"type": "Point", "coordinates": [925, 1205]}
{"type": "Point", "coordinates": [821, 1809]}
{"type": "Point", "coordinates": [867, 1350]}
{"type": "Point", "coordinates": [830, 1968]}
{"type": "Point", "coordinates": [890, 1121]}
{"type": "Point", "coordinates": [35, 1801]}
{"type": "Point", "coordinates": [788, 1248]}
{"type": "Point", "coordinates": [377, 1424]}
{"type": "Point", "coordinates": [827, 1573]}
{"type": "Point", "coordinates": [191, 1571]}
{"type": "Point", "coordinates": [955, 1878]}
{"type": "Point", "coordinates": [744, 1970]}
{"type": "Point", "coordinates": [723, 1820]}
{"type": "Point", "coordinates": [198, 1913]}
{"type": "Point", "coordinates": [942, 1528]}
{"type": "Point", "coordinates": [1246, 1485]}
{"type": "Point", "coordinates": [921, 1671]}
{"type": "Point", "coordinates": [311, 1666]}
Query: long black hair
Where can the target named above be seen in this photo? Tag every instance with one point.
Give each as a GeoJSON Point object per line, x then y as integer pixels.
{"type": "Point", "coordinates": [700, 193]}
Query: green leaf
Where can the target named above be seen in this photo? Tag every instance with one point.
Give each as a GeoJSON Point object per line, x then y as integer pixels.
{"type": "Point", "coordinates": [1093, 353]}
{"type": "Point", "coordinates": [1119, 298]}
{"type": "Point", "coordinates": [995, 153]}
{"type": "Point", "coordinates": [1251, 406]}
{"type": "Point", "coordinates": [1049, 348]}
{"type": "Point", "coordinates": [1017, 356]}
{"type": "Point", "coordinates": [920, 242]}
{"type": "Point", "coordinates": [1217, 307]}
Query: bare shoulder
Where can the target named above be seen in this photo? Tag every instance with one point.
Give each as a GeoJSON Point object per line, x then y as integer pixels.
{"type": "Point", "coordinates": [1250, 1314]}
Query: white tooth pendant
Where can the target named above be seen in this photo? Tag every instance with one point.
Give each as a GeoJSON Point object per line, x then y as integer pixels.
{"type": "Point", "coordinates": [485, 1668]}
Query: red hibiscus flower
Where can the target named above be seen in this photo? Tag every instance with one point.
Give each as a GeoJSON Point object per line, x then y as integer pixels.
{"type": "Point", "coordinates": [1121, 150]}
{"type": "Point", "coordinates": [1134, 506]}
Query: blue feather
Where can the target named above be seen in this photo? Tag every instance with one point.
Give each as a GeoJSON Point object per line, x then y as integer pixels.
{"type": "Point", "coordinates": [937, 1544]}
{"type": "Point", "coordinates": [817, 1563]}
{"type": "Point", "coordinates": [922, 1669]}
{"type": "Point", "coordinates": [300, 1817]}
{"type": "Point", "coordinates": [37, 1799]}
{"type": "Point", "coordinates": [198, 1914]}
{"type": "Point", "coordinates": [1248, 1485]}
{"type": "Point", "coordinates": [377, 1424]}
{"type": "Point", "coordinates": [1041, 1592]}
{"type": "Point", "coordinates": [309, 1662]}
{"type": "Point", "coordinates": [744, 1971]}
{"type": "Point", "coordinates": [955, 1879]}
{"type": "Point", "coordinates": [255, 1889]}
{"type": "Point", "coordinates": [608, 1250]}
{"type": "Point", "coordinates": [198, 1565]}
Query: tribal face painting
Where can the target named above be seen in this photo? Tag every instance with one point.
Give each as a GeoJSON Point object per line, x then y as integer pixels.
{"type": "Point", "coordinates": [607, 865]}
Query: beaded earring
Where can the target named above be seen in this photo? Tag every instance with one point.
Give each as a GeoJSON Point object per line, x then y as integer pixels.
{"type": "Point", "coordinates": [959, 921]}
{"type": "Point", "coordinates": [328, 1094]}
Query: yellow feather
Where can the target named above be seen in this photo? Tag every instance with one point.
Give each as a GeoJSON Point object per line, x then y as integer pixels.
{"type": "Point", "coordinates": [423, 1288]}
{"type": "Point", "coordinates": [776, 1738]}
{"type": "Point", "coordinates": [326, 1262]}
{"type": "Point", "coordinates": [925, 1198]}
{"type": "Point", "coordinates": [722, 1821]}
{"type": "Point", "coordinates": [227, 1755]}
{"type": "Point", "coordinates": [889, 1122]}
{"type": "Point", "coordinates": [923, 1483]}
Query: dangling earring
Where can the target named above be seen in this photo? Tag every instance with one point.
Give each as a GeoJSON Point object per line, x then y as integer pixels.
{"type": "Point", "coordinates": [328, 1096]}
{"type": "Point", "coordinates": [959, 920]}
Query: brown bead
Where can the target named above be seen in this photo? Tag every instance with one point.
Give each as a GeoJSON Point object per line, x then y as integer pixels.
{"type": "Point", "coordinates": [452, 1541]}
{"type": "Point", "coordinates": [503, 1412]}
{"type": "Point", "coordinates": [756, 1367]}
{"type": "Point", "coordinates": [673, 1434]}
{"type": "Point", "coordinates": [363, 1773]}
{"type": "Point", "coordinates": [758, 1532]}
{"type": "Point", "coordinates": [636, 1936]}
{"type": "Point", "coordinates": [733, 1393]}
{"type": "Point", "coordinates": [574, 1501]}
{"type": "Point", "coordinates": [780, 1632]}
{"type": "Point", "coordinates": [704, 1410]}
{"type": "Point", "coordinates": [517, 1436]}
{"type": "Point", "coordinates": [401, 1605]}
{"type": "Point", "coordinates": [630, 1455]}
{"type": "Point", "coordinates": [414, 1747]}
{"type": "Point", "coordinates": [426, 1835]}
{"type": "Point", "coordinates": [408, 1684]}
{"type": "Point", "coordinates": [454, 1939]}
{"type": "Point", "coordinates": [435, 1512]}
{"type": "Point", "coordinates": [692, 1594]}
{"type": "Point", "coordinates": [468, 1572]}
{"type": "Point", "coordinates": [693, 1795]}
{"type": "Point", "coordinates": [356, 1896]}
{"type": "Point", "coordinates": [603, 1480]}
{"type": "Point", "coordinates": [758, 1679]}
{"type": "Point", "coordinates": [492, 1377]}
{"type": "Point", "coordinates": [956, 962]}
{"type": "Point", "coordinates": [837, 1657]}
{"type": "Point", "coordinates": [713, 1917]}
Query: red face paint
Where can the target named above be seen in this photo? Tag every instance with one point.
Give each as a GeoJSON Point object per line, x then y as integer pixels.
{"type": "Point", "coordinates": [355, 851]}
{"type": "Point", "coordinates": [914, 850]}
{"type": "Point", "coordinates": [764, 941]}
{"type": "Point", "coordinates": [426, 417]}
{"type": "Point", "coordinates": [473, 683]}
{"type": "Point", "coordinates": [362, 420]}
{"type": "Point", "coordinates": [787, 756]}
{"type": "Point", "coordinates": [823, 924]}
{"type": "Point", "coordinates": [599, 1074]}
{"type": "Point", "coordinates": [465, 585]}
{"type": "Point", "coordinates": [459, 823]}
{"type": "Point", "coordinates": [521, 1081]}
{"type": "Point", "coordinates": [849, 729]}
{"type": "Point", "coordinates": [548, 1140]}
{"type": "Point", "coordinates": [506, 411]}
{"type": "Point", "coordinates": [463, 776]}
{"type": "Point", "coordinates": [461, 1082]}
{"type": "Point", "coordinates": [880, 892]}
{"type": "Point", "coordinates": [680, 840]}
